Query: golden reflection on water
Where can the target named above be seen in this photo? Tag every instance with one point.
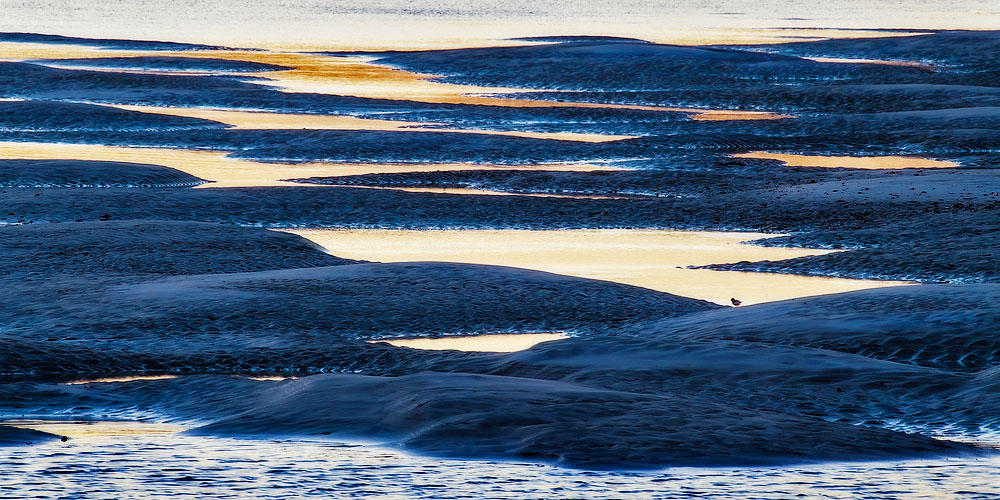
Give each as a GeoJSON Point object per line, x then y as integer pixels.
{"type": "Point", "coordinates": [845, 60]}
{"type": "Point", "coordinates": [114, 380]}
{"type": "Point", "coordinates": [225, 171]}
{"type": "Point", "coordinates": [483, 192]}
{"type": "Point", "coordinates": [654, 259]}
{"type": "Point", "coordinates": [360, 77]}
{"type": "Point", "coordinates": [862, 162]}
{"type": "Point", "coordinates": [298, 121]}
{"type": "Point", "coordinates": [22, 51]}
{"type": "Point", "coordinates": [74, 429]}
{"type": "Point", "coordinates": [477, 343]}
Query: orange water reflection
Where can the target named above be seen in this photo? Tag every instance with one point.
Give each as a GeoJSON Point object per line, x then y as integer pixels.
{"type": "Point", "coordinates": [225, 171]}
{"type": "Point", "coordinates": [655, 259]}
{"type": "Point", "coordinates": [862, 162]}
{"type": "Point", "coordinates": [478, 343]}
{"type": "Point", "coordinates": [76, 429]}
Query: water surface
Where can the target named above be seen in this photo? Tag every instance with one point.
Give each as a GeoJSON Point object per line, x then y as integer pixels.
{"type": "Point", "coordinates": [158, 465]}
{"type": "Point", "coordinates": [648, 258]}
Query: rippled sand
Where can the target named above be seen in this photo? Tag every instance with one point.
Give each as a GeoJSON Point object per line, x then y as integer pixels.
{"type": "Point", "coordinates": [647, 258]}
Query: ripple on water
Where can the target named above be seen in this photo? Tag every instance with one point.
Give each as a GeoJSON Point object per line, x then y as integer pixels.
{"type": "Point", "coordinates": [165, 466]}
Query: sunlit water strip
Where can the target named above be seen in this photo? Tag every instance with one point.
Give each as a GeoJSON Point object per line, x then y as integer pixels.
{"type": "Point", "coordinates": [357, 76]}
{"type": "Point", "coordinates": [480, 343]}
{"type": "Point", "coordinates": [652, 259]}
{"type": "Point", "coordinates": [861, 162]}
{"type": "Point", "coordinates": [225, 171]}
{"type": "Point", "coordinates": [293, 121]}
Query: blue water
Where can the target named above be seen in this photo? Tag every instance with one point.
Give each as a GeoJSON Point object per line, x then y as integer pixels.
{"type": "Point", "coordinates": [168, 466]}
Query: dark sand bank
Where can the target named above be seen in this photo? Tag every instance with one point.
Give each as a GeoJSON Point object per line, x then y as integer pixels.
{"type": "Point", "coordinates": [166, 63]}
{"type": "Point", "coordinates": [221, 313]}
{"type": "Point", "coordinates": [90, 174]}
{"type": "Point", "coordinates": [41, 116]}
{"type": "Point", "coordinates": [105, 43]}
{"type": "Point", "coordinates": [504, 417]}
{"type": "Point", "coordinates": [152, 248]}
{"type": "Point", "coordinates": [13, 436]}
{"type": "Point", "coordinates": [773, 383]}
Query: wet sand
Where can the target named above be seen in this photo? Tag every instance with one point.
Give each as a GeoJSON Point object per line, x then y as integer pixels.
{"type": "Point", "coordinates": [647, 258]}
{"type": "Point", "coordinates": [771, 383]}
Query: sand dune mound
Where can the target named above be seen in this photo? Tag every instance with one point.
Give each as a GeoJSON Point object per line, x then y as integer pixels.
{"type": "Point", "coordinates": [51, 116]}
{"type": "Point", "coordinates": [136, 248]}
{"type": "Point", "coordinates": [167, 63]}
{"type": "Point", "coordinates": [954, 47]}
{"type": "Point", "coordinates": [239, 300]}
{"type": "Point", "coordinates": [461, 415]}
{"type": "Point", "coordinates": [785, 382]}
{"type": "Point", "coordinates": [107, 43]}
{"type": "Point", "coordinates": [625, 65]}
{"type": "Point", "coordinates": [13, 436]}
{"type": "Point", "coordinates": [946, 326]}
{"type": "Point", "coordinates": [367, 300]}
{"type": "Point", "coordinates": [87, 174]}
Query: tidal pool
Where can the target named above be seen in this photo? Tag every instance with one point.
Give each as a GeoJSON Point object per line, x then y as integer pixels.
{"type": "Point", "coordinates": [242, 119]}
{"type": "Point", "coordinates": [222, 170]}
{"type": "Point", "coordinates": [656, 259]}
{"type": "Point", "coordinates": [480, 343]}
{"type": "Point", "coordinates": [862, 162]}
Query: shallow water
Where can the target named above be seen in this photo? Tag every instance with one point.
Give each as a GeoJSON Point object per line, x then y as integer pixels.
{"type": "Point", "coordinates": [290, 121]}
{"type": "Point", "coordinates": [480, 343]}
{"type": "Point", "coordinates": [862, 162]}
{"type": "Point", "coordinates": [168, 465]}
{"type": "Point", "coordinates": [222, 170]}
{"type": "Point", "coordinates": [647, 258]}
